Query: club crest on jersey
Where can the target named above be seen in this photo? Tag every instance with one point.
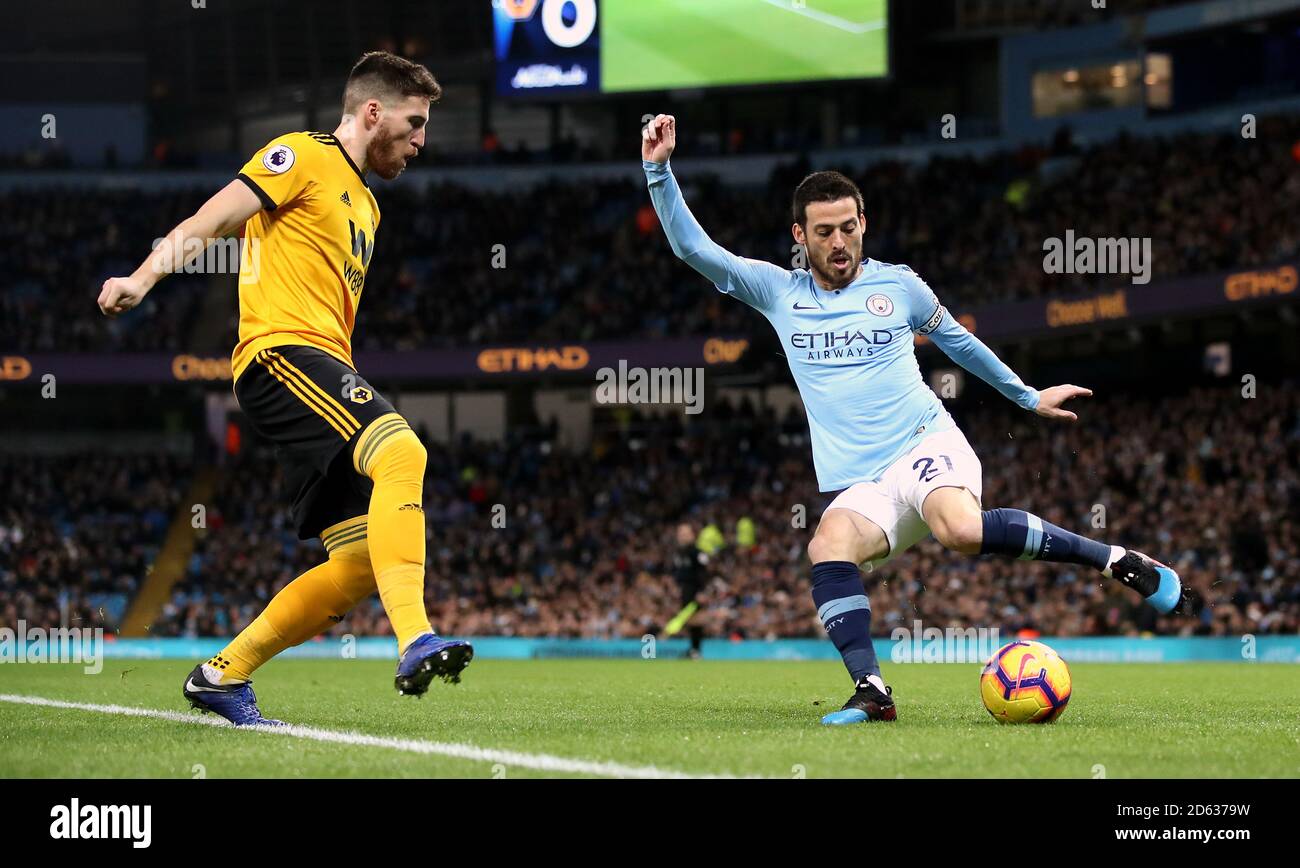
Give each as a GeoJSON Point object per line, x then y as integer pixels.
{"type": "Point", "coordinates": [880, 305]}
{"type": "Point", "coordinates": [360, 395]}
{"type": "Point", "coordinates": [279, 159]}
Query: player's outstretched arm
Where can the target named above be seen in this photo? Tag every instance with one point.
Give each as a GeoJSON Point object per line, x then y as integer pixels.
{"type": "Point", "coordinates": [221, 215]}
{"type": "Point", "coordinates": [751, 280]}
{"type": "Point", "coordinates": [975, 356]}
{"type": "Point", "coordinates": [930, 318]}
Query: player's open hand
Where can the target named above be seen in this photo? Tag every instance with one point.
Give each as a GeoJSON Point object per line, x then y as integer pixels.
{"type": "Point", "coordinates": [1050, 401]}
{"type": "Point", "coordinates": [120, 294]}
{"type": "Point", "coordinates": [658, 138]}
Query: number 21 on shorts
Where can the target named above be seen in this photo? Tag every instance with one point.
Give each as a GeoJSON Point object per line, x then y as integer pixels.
{"type": "Point", "coordinates": [928, 469]}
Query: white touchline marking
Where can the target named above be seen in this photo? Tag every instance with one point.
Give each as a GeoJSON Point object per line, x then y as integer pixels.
{"type": "Point", "coordinates": [826, 17]}
{"type": "Point", "coordinates": [537, 761]}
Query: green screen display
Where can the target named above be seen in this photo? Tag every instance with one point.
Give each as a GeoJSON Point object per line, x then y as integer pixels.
{"type": "Point", "coordinates": [659, 44]}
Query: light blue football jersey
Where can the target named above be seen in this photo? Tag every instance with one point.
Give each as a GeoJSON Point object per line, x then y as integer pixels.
{"type": "Point", "coordinates": [851, 350]}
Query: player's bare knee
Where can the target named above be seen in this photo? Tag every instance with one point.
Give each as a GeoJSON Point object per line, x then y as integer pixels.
{"type": "Point", "coordinates": [963, 534]}
{"type": "Point", "coordinates": [836, 539]}
{"type": "Point", "coordinates": [821, 550]}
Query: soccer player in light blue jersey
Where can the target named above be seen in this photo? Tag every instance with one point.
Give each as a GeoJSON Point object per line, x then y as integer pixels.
{"type": "Point", "coordinates": [880, 436]}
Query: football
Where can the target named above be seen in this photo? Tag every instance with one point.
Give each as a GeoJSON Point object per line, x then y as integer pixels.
{"type": "Point", "coordinates": [1025, 682]}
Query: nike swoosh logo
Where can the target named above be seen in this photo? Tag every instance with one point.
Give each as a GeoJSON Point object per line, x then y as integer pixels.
{"type": "Point", "coordinates": [191, 687]}
{"type": "Point", "coordinates": [797, 307]}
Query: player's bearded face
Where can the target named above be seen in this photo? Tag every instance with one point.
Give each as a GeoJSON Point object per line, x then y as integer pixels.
{"type": "Point", "coordinates": [398, 138]}
{"type": "Point", "coordinates": [389, 151]}
{"type": "Point", "coordinates": [833, 238]}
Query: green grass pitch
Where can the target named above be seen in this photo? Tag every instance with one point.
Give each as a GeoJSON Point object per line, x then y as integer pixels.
{"type": "Point", "coordinates": [706, 717]}
{"type": "Point", "coordinates": [698, 43]}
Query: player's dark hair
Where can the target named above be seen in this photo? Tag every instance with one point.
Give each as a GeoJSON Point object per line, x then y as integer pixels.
{"type": "Point", "coordinates": [383, 75]}
{"type": "Point", "coordinates": [824, 187]}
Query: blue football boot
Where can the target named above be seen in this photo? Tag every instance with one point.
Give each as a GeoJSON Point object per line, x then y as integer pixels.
{"type": "Point", "coordinates": [1158, 584]}
{"type": "Point", "coordinates": [430, 657]}
{"type": "Point", "coordinates": [867, 704]}
{"type": "Point", "coordinates": [235, 702]}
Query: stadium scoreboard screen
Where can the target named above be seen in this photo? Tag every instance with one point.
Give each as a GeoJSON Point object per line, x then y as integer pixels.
{"type": "Point", "coordinates": [546, 45]}
{"type": "Point", "coordinates": [614, 46]}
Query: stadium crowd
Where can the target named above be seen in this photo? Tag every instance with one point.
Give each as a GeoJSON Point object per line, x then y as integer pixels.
{"type": "Point", "coordinates": [586, 260]}
{"type": "Point", "coordinates": [587, 543]}
{"type": "Point", "coordinates": [58, 245]}
{"type": "Point", "coordinates": [78, 533]}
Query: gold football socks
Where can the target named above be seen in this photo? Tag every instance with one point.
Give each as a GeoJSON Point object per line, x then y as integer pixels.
{"type": "Point", "coordinates": [391, 455]}
{"type": "Point", "coordinates": [304, 608]}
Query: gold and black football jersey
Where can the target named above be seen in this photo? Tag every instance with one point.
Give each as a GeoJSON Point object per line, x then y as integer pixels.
{"type": "Point", "coordinates": [306, 252]}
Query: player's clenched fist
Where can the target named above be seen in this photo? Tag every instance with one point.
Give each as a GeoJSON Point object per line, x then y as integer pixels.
{"type": "Point", "coordinates": [658, 138]}
{"type": "Point", "coordinates": [120, 294]}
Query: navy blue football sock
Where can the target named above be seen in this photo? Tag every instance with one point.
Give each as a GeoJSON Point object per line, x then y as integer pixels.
{"type": "Point", "coordinates": [1024, 535]}
{"type": "Point", "coordinates": [845, 612]}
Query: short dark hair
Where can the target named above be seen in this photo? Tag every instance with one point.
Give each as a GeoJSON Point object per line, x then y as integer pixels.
{"type": "Point", "coordinates": [383, 75]}
{"type": "Point", "coordinates": [824, 187]}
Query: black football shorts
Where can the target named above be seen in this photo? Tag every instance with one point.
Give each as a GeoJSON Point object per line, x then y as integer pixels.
{"type": "Point", "coordinates": [313, 407]}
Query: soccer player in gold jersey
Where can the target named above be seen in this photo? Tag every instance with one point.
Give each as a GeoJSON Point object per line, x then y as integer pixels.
{"type": "Point", "coordinates": [354, 467]}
